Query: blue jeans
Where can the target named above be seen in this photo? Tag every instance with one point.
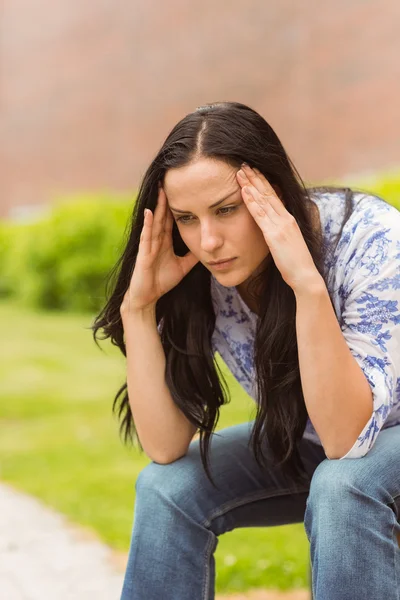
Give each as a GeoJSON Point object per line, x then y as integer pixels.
{"type": "Point", "coordinates": [348, 508]}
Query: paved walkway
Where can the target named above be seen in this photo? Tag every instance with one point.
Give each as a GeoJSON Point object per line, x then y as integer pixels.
{"type": "Point", "coordinates": [44, 557]}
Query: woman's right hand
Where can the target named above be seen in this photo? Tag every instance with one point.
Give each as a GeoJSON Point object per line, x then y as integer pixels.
{"type": "Point", "coordinates": [157, 269]}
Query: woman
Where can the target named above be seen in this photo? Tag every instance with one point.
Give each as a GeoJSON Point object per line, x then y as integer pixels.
{"type": "Point", "coordinates": [305, 314]}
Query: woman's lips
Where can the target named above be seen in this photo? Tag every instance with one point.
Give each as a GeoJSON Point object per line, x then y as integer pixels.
{"type": "Point", "coordinates": [225, 265]}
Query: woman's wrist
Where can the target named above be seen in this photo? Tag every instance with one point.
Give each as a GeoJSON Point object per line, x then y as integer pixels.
{"type": "Point", "coordinates": [144, 313]}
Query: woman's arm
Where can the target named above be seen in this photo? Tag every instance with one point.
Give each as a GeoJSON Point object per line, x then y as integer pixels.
{"type": "Point", "coordinates": [163, 430]}
{"type": "Point", "coordinates": [336, 392]}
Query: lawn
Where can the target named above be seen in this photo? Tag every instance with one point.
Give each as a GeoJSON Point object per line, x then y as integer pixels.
{"type": "Point", "coordinates": [59, 441]}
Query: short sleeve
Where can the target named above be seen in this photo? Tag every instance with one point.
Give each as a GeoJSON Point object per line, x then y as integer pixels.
{"type": "Point", "coordinates": [370, 322]}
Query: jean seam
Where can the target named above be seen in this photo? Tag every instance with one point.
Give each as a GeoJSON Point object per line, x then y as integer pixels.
{"type": "Point", "coordinates": [208, 553]}
{"type": "Point", "coordinates": [252, 498]}
{"type": "Point", "coordinates": [394, 556]}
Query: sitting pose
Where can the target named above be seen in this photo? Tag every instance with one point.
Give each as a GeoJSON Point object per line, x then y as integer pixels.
{"type": "Point", "coordinates": [298, 290]}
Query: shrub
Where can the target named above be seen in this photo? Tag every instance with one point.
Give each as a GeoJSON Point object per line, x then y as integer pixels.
{"type": "Point", "coordinates": [61, 261]}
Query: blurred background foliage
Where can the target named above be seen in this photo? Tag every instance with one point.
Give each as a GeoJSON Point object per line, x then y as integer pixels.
{"type": "Point", "coordinates": [61, 260]}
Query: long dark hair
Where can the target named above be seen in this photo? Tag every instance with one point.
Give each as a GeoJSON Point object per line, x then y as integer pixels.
{"type": "Point", "coordinates": [234, 133]}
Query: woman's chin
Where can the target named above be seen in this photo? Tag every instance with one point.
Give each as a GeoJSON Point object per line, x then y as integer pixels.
{"type": "Point", "coordinates": [230, 279]}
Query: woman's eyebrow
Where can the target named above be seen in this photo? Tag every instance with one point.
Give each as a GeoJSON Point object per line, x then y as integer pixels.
{"type": "Point", "coordinates": [212, 205]}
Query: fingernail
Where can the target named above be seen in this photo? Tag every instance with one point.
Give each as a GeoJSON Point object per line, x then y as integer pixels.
{"type": "Point", "coordinates": [244, 164]}
{"type": "Point", "coordinates": [241, 173]}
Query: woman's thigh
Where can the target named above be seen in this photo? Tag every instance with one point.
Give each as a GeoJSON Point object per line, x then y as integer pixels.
{"type": "Point", "coordinates": [246, 494]}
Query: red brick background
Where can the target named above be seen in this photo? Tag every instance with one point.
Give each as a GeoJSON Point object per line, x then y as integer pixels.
{"type": "Point", "coordinates": [90, 89]}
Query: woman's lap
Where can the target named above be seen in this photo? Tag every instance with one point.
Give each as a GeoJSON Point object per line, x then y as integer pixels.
{"type": "Point", "coordinates": [344, 505]}
{"type": "Point", "coordinates": [179, 514]}
{"type": "Point", "coordinates": [246, 495]}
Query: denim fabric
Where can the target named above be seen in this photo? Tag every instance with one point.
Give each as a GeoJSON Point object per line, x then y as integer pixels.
{"type": "Point", "coordinates": [348, 508]}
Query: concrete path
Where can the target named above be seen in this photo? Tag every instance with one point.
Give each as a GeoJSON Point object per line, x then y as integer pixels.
{"type": "Point", "coordinates": [44, 557]}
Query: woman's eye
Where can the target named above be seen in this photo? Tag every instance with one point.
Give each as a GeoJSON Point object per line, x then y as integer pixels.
{"type": "Point", "coordinates": [186, 218]}
{"type": "Point", "coordinates": [229, 208]}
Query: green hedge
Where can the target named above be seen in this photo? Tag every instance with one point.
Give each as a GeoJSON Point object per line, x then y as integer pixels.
{"type": "Point", "coordinates": [61, 261]}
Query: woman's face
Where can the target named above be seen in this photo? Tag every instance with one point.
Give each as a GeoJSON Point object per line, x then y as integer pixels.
{"type": "Point", "coordinates": [221, 232]}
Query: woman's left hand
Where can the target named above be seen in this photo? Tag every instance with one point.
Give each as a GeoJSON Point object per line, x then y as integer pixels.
{"type": "Point", "coordinates": [280, 229]}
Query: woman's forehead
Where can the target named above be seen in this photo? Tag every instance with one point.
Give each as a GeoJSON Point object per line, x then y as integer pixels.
{"type": "Point", "coordinates": [203, 176]}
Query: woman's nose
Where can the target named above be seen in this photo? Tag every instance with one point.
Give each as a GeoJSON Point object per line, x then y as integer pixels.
{"type": "Point", "coordinates": [210, 241]}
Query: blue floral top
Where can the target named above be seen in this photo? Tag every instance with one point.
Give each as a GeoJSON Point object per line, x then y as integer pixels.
{"type": "Point", "coordinates": [363, 279]}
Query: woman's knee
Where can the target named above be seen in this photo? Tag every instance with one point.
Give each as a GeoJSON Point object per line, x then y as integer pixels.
{"type": "Point", "coordinates": [176, 481]}
{"type": "Point", "coordinates": [339, 488]}
{"type": "Point", "coordinates": [330, 499]}
{"type": "Point", "coordinates": [335, 479]}
{"type": "Point", "coordinates": [331, 480]}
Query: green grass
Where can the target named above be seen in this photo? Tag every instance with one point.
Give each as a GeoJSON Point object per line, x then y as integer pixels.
{"type": "Point", "coordinates": [59, 442]}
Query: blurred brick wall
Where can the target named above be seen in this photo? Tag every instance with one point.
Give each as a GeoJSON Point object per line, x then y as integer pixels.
{"type": "Point", "coordinates": [89, 90]}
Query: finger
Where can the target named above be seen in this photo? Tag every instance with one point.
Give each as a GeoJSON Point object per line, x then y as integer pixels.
{"type": "Point", "coordinates": [159, 217]}
{"type": "Point", "coordinates": [266, 193]}
{"type": "Point", "coordinates": [168, 218]}
{"type": "Point", "coordinates": [248, 177]}
{"type": "Point", "coordinates": [258, 180]}
{"type": "Point", "coordinates": [168, 222]}
{"type": "Point", "coordinates": [259, 207]}
{"type": "Point", "coordinates": [145, 236]}
{"type": "Point", "coordinates": [274, 199]}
